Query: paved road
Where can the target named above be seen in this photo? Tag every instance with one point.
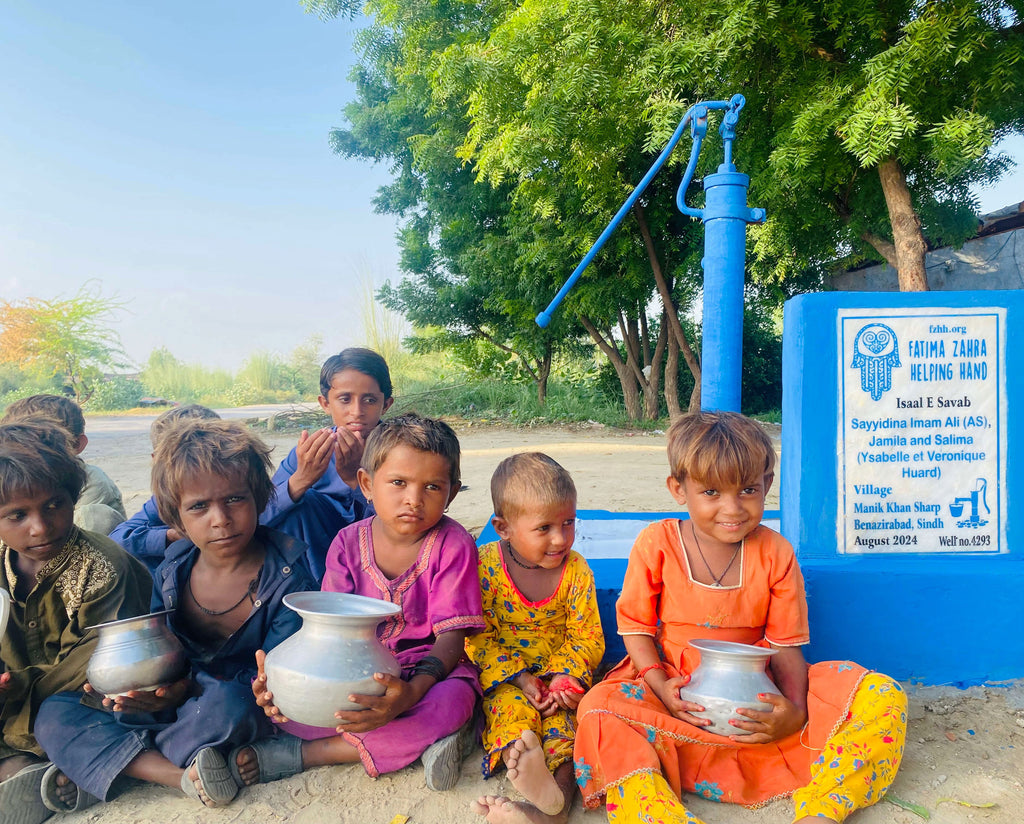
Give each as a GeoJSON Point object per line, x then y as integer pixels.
{"type": "Point", "coordinates": [100, 427]}
{"type": "Point", "coordinates": [122, 436]}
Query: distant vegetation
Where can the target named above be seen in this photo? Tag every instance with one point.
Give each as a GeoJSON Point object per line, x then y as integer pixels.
{"type": "Point", "coordinates": [430, 383]}
{"type": "Point", "coordinates": [474, 380]}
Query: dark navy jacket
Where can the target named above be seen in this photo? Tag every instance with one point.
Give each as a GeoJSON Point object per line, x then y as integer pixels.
{"type": "Point", "coordinates": [270, 622]}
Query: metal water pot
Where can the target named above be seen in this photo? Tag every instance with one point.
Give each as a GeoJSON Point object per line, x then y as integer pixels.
{"type": "Point", "coordinates": [333, 655]}
{"type": "Point", "coordinates": [730, 675]}
{"type": "Point", "coordinates": [136, 654]}
{"type": "Point", "coordinates": [5, 613]}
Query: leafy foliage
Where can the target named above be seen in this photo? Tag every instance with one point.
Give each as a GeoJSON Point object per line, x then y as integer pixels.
{"type": "Point", "coordinates": [513, 130]}
{"type": "Point", "coordinates": [68, 338]}
{"type": "Point", "coordinates": [118, 392]}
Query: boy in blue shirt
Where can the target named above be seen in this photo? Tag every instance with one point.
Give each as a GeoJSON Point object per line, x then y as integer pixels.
{"type": "Point", "coordinates": [316, 492]}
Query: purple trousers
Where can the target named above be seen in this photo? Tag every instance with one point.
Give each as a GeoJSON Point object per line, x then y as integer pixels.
{"type": "Point", "coordinates": [444, 709]}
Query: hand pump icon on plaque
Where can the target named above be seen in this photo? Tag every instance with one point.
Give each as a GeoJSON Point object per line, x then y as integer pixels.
{"type": "Point", "coordinates": [978, 497]}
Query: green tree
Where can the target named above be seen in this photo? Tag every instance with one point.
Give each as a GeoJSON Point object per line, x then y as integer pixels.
{"type": "Point", "coordinates": [481, 263]}
{"type": "Point", "coordinates": [460, 275]}
{"type": "Point", "coordinates": [867, 124]}
{"type": "Point", "coordinates": [69, 338]}
{"type": "Point", "coordinates": [554, 100]}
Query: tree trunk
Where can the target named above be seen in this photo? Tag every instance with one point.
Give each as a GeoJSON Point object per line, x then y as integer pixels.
{"type": "Point", "coordinates": [672, 378]}
{"type": "Point", "coordinates": [695, 398]}
{"type": "Point", "coordinates": [882, 246]}
{"type": "Point", "coordinates": [652, 397]}
{"type": "Point", "coordinates": [543, 373]}
{"type": "Point", "coordinates": [671, 310]}
{"type": "Point", "coordinates": [906, 228]}
{"type": "Point", "coordinates": [624, 371]}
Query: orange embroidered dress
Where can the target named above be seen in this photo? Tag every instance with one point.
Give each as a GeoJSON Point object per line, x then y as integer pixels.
{"type": "Point", "coordinates": [625, 731]}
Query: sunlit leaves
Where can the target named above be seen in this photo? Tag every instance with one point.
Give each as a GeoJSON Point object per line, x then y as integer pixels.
{"type": "Point", "coordinates": [70, 338]}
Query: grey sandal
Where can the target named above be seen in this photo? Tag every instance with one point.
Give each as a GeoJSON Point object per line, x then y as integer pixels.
{"type": "Point", "coordinates": [442, 760]}
{"type": "Point", "coordinates": [218, 784]}
{"type": "Point", "coordinates": [277, 757]}
{"type": "Point", "coordinates": [51, 796]}
{"type": "Point", "coordinates": [20, 799]}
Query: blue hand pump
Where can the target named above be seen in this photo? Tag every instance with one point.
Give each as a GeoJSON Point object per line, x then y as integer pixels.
{"type": "Point", "coordinates": [725, 216]}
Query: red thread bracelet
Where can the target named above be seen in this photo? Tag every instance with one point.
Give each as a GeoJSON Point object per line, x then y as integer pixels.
{"type": "Point", "coordinates": [640, 675]}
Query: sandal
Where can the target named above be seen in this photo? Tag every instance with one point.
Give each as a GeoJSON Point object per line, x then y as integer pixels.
{"type": "Point", "coordinates": [218, 784]}
{"type": "Point", "coordinates": [442, 760]}
{"type": "Point", "coordinates": [277, 757]}
{"type": "Point", "coordinates": [20, 799]}
{"type": "Point", "coordinates": [51, 797]}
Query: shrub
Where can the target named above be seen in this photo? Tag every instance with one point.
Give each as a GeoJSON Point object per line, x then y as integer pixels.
{"type": "Point", "coordinates": [118, 392]}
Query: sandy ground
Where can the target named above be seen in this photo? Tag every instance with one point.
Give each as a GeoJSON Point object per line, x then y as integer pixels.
{"type": "Point", "coordinates": [963, 746]}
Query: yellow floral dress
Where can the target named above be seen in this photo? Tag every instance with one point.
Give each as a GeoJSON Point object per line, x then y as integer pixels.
{"type": "Point", "coordinates": [561, 634]}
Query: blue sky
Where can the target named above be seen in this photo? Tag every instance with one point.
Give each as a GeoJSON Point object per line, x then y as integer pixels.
{"type": "Point", "coordinates": [177, 154]}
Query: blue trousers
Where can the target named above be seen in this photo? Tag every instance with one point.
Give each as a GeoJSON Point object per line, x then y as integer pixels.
{"type": "Point", "coordinates": [92, 746]}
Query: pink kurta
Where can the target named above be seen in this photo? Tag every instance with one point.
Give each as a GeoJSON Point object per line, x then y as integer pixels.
{"type": "Point", "coordinates": [438, 593]}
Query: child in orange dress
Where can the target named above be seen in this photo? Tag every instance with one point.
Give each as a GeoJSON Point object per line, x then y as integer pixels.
{"type": "Point", "coordinates": [833, 739]}
{"type": "Point", "coordinates": [542, 642]}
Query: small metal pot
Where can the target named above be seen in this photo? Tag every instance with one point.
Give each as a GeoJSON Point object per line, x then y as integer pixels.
{"type": "Point", "coordinates": [333, 655]}
{"type": "Point", "coordinates": [730, 675]}
{"type": "Point", "coordinates": [136, 654]}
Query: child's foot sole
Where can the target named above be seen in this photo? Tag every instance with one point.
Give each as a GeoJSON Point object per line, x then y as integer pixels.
{"type": "Point", "coordinates": [211, 771]}
{"type": "Point", "coordinates": [529, 774]}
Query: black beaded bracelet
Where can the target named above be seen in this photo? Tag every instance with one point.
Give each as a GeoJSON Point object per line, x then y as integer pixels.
{"type": "Point", "coordinates": [431, 665]}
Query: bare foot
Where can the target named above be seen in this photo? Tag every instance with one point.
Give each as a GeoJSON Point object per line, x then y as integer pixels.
{"type": "Point", "coordinates": [524, 761]}
{"type": "Point", "coordinates": [483, 804]}
{"type": "Point", "coordinates": [500, 810]}
{"type": "Point", "coordinates": [67, 790]}
{"type": "Point", "coordinates": [248, 766]}
{"type": "Point", "coordinates": [197, 782]}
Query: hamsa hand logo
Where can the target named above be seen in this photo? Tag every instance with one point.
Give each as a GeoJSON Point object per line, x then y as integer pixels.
{"type": "Point", "coordinates": [876, 354]}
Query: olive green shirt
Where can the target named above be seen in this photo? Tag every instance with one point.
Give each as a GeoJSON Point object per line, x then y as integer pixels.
{"type": "Point", "coordinates": [48, 641]}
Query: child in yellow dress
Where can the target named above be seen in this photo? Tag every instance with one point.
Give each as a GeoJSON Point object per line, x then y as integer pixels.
{"type": "Point", "coordinates": [542, 642]}
{"type": "Point", "coordinates": [833, 738]}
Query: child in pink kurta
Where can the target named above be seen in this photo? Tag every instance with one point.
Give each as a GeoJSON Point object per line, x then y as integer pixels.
{"type": "Point", "coordinates": [437, 594]}
{"type": "Point", "coordinates": [412, 555]}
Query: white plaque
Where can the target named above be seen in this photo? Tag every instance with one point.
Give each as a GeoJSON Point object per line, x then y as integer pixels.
{"type": "Point", "coordinates": [922, 430]}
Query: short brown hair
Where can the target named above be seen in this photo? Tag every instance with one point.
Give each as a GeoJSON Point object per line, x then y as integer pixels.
{"type": "Point", "coordinates": [37, 456]}
{"type": "Point", "coordinates": [168, 418]}
{"type": "Point", "coordinates": [425, 434]}
{"type": "Point", "coordinates": [529, 479]}
{"type": "Point", "coordinates": [225, 448]}
{"type": "Point", "coordinates": [719, 449]}
{"type": "Point", "coordinates": [56, 407]}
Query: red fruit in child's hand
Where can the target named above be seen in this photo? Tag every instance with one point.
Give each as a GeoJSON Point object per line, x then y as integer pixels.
{"type": "Point", "coordinates": [563, 683]}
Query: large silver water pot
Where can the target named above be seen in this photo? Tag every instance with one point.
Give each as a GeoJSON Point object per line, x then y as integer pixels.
{"type": "Point", "coordinates": [730, 675]}
{"type": "Point", "coordinates": [333, 655]}
{"type": "Point", "coordinates": [5, 611]}
{"type": "Point", "coordinates": [136, 654]}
